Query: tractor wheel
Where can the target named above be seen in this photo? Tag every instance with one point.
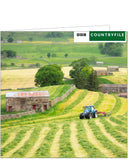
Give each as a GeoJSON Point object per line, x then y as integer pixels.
{"type": "Point", "coordinates": [95, 115]}
{"type": "Point", "coordinates": [81, 116]}
{"type": "Point", "coordinates": [89, 116]}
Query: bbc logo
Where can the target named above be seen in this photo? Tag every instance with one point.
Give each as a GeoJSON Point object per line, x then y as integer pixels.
{"type": "Point", "coordinates": [81, 34]}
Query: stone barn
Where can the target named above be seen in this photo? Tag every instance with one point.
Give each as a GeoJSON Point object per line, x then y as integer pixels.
{"type": "Point", "coordinates": [113, 88]}
{"type": "Point", "coordinates": [112, 68]}
{"type": "Point", "coordinates": [101, 72]}
{"type": "Point", "coordinates": [123, 95]}
{"type": "Point", "coordinates": [27, 101]}
{"type": "Point", "coordinates": [100, 63]}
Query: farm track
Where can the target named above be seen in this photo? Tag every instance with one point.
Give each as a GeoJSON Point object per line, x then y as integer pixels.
{"type": "Point", "coordinates": [65, 135]}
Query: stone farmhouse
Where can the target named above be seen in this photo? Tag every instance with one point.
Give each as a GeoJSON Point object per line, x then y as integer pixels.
{"type": "Point", "coordinates": [101, 72]}
{"type": "Point", "coordinates": [112, 68]}
{"type": "Point", "coordinates": [27, 101]}
{"type": "Point", "coordinates": [113, 88]}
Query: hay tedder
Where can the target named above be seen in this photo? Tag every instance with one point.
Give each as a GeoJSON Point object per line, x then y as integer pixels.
{"type": "Point", "coordinates": [90, 112]}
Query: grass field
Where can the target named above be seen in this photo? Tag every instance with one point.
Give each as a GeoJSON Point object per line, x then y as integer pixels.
{"type": "Point", "coordinates": [32, 53]}
{"type": "Point", "coordinates": [60, 133]}
{"type": "Point", "coordinates": [25, 77]}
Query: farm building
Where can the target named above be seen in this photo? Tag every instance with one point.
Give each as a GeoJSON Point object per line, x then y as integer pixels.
{"type": "Point", "coordinates": [113, 88]}
{"type": "Point", "coordinates": [112, 68]}
{"type": "Point", "coordinates": [123, 95]}
{"type": "Point", "coordinates": [27, 101]}
{"type": "Point", "coordinates": [99, 63]}
{"type": "Point", "coordinates": [101, 72]}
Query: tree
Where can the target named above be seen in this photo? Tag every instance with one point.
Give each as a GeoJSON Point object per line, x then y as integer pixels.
{"type": "Point", "coordinates": [37, 65]}
{"type": "Point", "coordinates": [30, 38]}
{"type": "Point", "coordinates": [93, 60]}
{"type": "Point", "coordinates": [49, 75]}
{"type": "Point", "coordinates": [8, 53]}
{"type": "Point", "coordinates": [111, 49]}
{"type": "Point", "coordinates": [53, 55]}
{"type": "Point", "coordinates": [83, 75]}
{"type": "Point", "coordinates": [48, 55]}
{"type": "Point", "coordinates": [66, 55]}
{"type": "Point", "coordinates": [10, 39]}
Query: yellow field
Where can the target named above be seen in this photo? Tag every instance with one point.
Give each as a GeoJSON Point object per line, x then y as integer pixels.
{"type": "Point", "coordinates": [17, 78]}
{"type": "Point", "coordinates": [25, 77]}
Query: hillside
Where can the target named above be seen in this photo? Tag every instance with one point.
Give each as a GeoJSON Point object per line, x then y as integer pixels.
{"type": "Point", "coordinates": [60, 133]}
{"type": "Point", "coordinates": [37, 36]}
{"type": "Point", "coordinates": [29, 53]}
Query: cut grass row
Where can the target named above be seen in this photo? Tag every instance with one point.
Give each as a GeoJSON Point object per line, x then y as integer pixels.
{"type": "Point", "coordinates": [74, 134]}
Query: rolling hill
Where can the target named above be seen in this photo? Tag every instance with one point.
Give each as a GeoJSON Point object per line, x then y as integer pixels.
{"type": "Point", "coordinates": [60, 133]}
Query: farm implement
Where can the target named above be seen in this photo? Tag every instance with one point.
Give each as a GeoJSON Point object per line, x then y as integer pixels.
{"type": "Point", "coordinates": [90, 112]}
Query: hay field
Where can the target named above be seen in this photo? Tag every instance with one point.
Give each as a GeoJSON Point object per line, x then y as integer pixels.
{"type": "Point", "coordinates": [60, 133]}
{"type": "Point", "coordinates": [17, 78]}
{"type": "Point", "coordinates": [25, 77]}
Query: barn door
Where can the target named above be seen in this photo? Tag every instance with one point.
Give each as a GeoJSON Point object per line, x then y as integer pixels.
{"type": "Point", "coordinates": [9, 108]}
{"type": "Point", "coordinates": [34, 107]}
{"type": "Point", "coordinates": [45, 106]}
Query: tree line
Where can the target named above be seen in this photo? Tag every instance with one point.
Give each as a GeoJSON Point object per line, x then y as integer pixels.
{"type": "Point", "coordinates": [83, 75]}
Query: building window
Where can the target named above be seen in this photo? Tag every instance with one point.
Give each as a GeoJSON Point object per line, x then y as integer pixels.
{"type": "Point", "coordinates": [34, 107]}
{"type": "Point", "coordinates": [9, 108]}
{"type": "Point", "coordinates": [45, 106]}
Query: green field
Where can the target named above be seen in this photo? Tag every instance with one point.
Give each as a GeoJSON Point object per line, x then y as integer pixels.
{"type": "Point", "coordinates": [32, 53]}
{"type": "Point", "coordinates": [36, 36]}
{"type": "Point", "coordinates": [60, 133]}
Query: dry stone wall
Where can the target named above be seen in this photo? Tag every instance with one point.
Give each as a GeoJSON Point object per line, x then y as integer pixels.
{"type": "Point", "coordinates": [17, 115]}
{"type": "Point", "coordinates": [58, 99]}
{"type": "Point", "coordinates": [113, 88]}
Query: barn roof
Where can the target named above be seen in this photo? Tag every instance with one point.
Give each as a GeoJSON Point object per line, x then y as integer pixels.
{"type": "Point", "coordinates": [101, 70]}
{"type": "Point", "coordinates": [113, 67]}
{"type": "Point", "coordinates": [28, 94]}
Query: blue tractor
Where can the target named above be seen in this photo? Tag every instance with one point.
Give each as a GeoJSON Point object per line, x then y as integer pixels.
{"type": "Point", "coordinates": [89, 112]}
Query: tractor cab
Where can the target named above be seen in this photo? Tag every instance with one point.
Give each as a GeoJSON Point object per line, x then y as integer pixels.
{"type": "Point", "coordinates": [89, 112]}
{"type": "Point", "coordinates": [89, 108]}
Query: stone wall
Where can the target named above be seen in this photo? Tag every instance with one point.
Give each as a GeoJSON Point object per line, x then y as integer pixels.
{"type": "Point", "coordinates": [113, 88]}
{"type": "Point", "coordinates": [17, 115]}
{"type": "Point", "coordinates": [58, 99]}
{"type": "Point", "coordinates": [112, 68]}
